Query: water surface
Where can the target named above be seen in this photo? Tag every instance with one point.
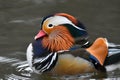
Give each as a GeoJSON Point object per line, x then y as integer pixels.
{"type": "Point", "coordinates": [20, 21]}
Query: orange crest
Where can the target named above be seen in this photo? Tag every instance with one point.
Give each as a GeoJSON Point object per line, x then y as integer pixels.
{"type": "Point", "coordinates": [70, 17]}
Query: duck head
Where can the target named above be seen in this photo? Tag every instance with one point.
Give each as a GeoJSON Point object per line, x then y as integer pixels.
{"type": "Point", "coordinates": [60, 31]}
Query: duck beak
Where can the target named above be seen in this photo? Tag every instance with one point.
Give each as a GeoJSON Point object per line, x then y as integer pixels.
{"type": "Point", "coordinates": [40, 34]}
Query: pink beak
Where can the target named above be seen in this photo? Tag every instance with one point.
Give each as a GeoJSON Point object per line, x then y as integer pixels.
{"type": "Point", "coordinates": [40, 34]}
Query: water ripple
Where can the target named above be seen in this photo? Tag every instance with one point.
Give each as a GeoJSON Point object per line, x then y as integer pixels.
{"type": "Point", "coordinates": [8, 60]}
{"type": "Point", "coordinates": [20, 66]}
{"type": "Point", "coordinates": [15, 77]}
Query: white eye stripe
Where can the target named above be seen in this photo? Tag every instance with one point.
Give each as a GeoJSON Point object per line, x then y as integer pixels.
{"type": "Point", "coordinates": [58, 20]}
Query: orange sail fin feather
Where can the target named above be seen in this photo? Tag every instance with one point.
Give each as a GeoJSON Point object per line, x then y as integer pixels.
{"type": "Point", "coordinates": [99, 50]}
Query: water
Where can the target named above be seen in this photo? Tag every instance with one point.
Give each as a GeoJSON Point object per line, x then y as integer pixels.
{"type": "Point", "coordinates": [20, 21]}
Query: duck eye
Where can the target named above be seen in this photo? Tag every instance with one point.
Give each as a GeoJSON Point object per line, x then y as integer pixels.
{"type": "Point", "coordinates": [50, 25]}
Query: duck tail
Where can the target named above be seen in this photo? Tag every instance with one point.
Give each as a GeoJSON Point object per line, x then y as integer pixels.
{"type": "Point", "coordinates": [113, 54]}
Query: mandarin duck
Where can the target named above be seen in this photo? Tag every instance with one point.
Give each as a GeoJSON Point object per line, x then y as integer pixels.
{"type": "Point", "coordinates": [62, 47]}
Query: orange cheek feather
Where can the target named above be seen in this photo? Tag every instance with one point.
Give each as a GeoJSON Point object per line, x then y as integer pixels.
{"type": "Point", "coordinates": [58, 39]}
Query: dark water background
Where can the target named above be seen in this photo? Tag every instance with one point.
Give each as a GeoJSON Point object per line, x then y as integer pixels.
{"type": "Point", "coordinates": [20, 21]}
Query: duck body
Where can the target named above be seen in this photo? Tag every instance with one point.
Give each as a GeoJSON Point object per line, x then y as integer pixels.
{"type": "Point", "coordinates": [72, 61]}
{"type": "Point", "coordinates": [63, 62]}
{"type": "Point", "coordinates": [62, 47]}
